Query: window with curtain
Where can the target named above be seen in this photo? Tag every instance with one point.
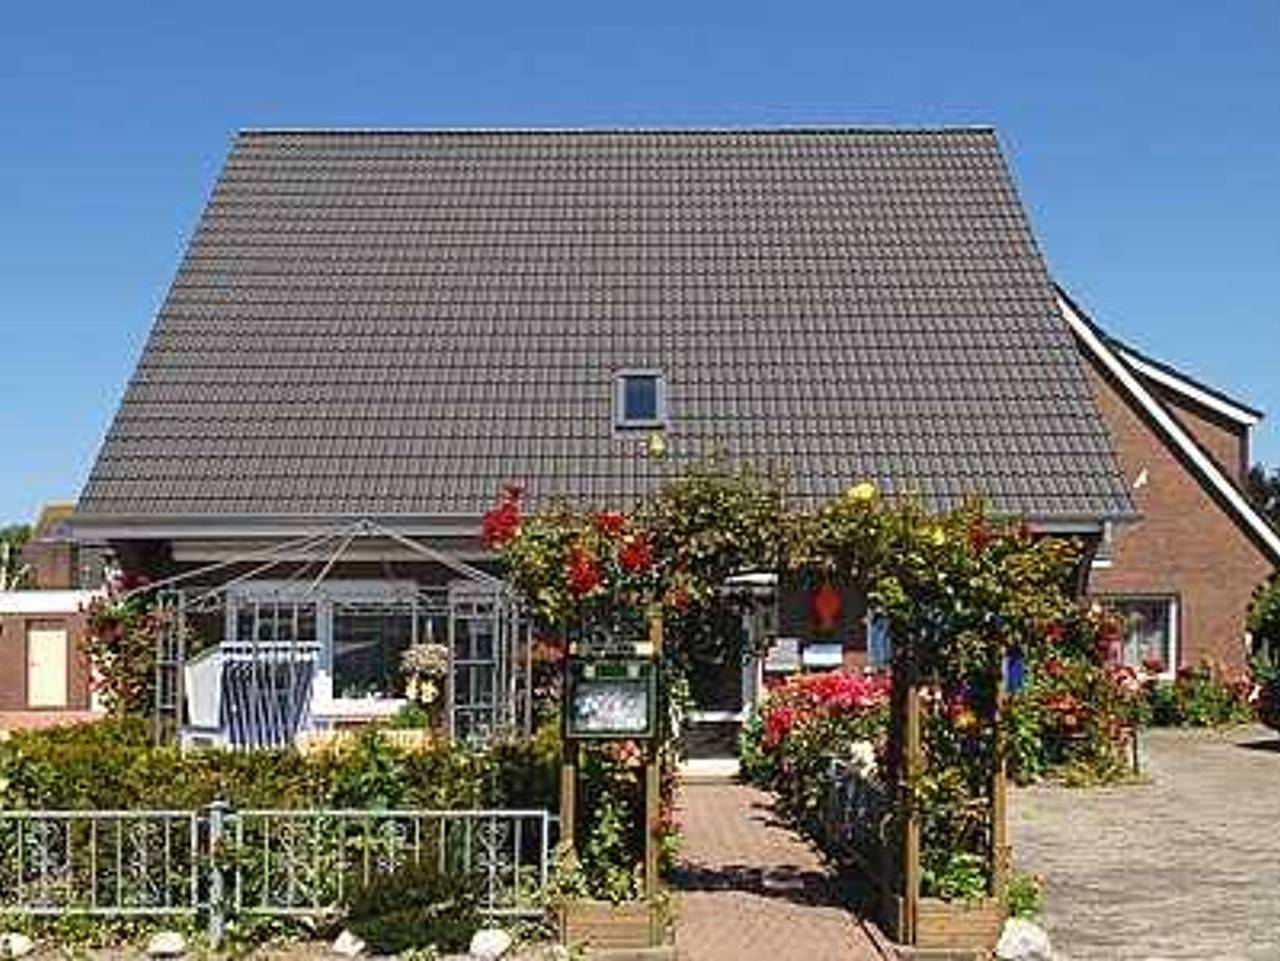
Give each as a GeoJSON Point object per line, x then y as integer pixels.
{"type": "Point", "coordinates": [1150, 631]}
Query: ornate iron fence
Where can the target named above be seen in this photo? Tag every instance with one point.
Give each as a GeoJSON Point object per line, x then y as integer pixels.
{"type": "Point", "coordinates": [220, 862]}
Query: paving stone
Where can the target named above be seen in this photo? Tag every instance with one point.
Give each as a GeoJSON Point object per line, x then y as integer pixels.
{"type": "Point", "coordinates": [748, 888]}
{"type": "Point", "coordinates": [1184, 867]}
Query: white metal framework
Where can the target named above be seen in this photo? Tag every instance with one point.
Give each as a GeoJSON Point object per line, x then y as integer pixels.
{"type": "Point", "coordinates": [282, 647]}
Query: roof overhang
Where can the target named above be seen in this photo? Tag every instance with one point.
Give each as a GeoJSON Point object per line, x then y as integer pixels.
{"type": "Point", "coordinates": [1212, 476]}
{"type": "Point", "coordinates": [1163, 375]}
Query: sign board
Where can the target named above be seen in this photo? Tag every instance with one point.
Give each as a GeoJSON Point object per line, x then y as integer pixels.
{"type": "Point", "coordinates": [612, 699]}
{"type": "Point", "coordinates": [783, 656]}
{"type": "Point", "coordinates": [823, 654]}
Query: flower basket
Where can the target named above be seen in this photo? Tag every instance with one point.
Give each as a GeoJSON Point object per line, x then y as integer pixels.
{"type": "Point", "coordinates": [604, 925]}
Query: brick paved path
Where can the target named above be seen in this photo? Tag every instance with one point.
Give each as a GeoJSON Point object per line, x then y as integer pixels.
{"type": "Point", "coordinates": [748, 888]}
{"type": "Point", "coordinates": [1186, 866]}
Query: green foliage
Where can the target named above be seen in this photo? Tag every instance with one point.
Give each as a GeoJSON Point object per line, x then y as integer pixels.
{"type": "Point", "coordinates": [1024, 897]}
{"type": "Point", "coordinates": [955, 876]}
{"type": "Point", "coordinates": [1264, 490]}
{"type": "Point", "coordinates": [123, 630]}
{"type": "Point", "coordinates": [13, 537]}
{"type": "Point", "coordinates": [1200, 696]}
{"type": "Point", "coordinates": [1264, 625]}
{"type": "Point", "coordinates": [413, 908]}
{"type": "Point", "coordinates": [112, 764]}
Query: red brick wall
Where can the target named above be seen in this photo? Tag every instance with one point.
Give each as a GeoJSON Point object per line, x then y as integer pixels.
{"type": "Point", "coordinates": [1225, 440]}
{"type": "Point", "coordinates": [13, 663]}
{"type": "Point", "coordinates": [1185, 545]}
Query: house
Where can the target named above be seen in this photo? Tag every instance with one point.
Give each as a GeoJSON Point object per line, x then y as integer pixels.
{"type": "Point", "coordinates": [44, 670]}
{"type": "Point", "coordinates": [373, 331]}
{"type": "Point", "coordinates": [1185, 571]}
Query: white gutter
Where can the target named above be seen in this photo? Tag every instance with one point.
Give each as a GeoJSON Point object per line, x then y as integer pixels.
{"type": "Point", "coordinates": [45, 602]}
{"type": "Point", "coordinates": [1172, 429]}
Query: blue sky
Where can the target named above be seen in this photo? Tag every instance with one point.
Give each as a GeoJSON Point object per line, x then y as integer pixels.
{"type": "Point", "coordinates": [1145, 140]}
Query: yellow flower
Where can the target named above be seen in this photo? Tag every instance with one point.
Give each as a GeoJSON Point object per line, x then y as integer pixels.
{"type": "Point", "coordinates": [861, 493]}
{"type": "Point", "coordinates": [937, 536]}
{"type": "Point", "coordinates": [656, 445]}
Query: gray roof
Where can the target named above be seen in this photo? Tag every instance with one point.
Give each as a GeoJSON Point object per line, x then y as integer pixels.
{"type": "Point", "coordinates": [399, 322]}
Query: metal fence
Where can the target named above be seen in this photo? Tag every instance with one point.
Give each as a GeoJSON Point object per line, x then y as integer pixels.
{"type": "Point", "coordinates": [220, 862]}
{"type": "Point", "coordinates": [856, 817]}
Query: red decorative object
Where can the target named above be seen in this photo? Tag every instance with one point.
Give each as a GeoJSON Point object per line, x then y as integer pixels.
{"type": "Point", "coordinates": [827, 605]}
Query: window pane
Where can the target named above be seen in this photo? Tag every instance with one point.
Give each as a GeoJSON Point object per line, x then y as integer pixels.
{"type": "Point", "coordinates": [1147, 631]}
{"type": "Point", "coordinates": [367, 644]}
{"type": "Point", "coordinates": [640, 398]}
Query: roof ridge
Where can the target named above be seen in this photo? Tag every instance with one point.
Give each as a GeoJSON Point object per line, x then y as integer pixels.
{"type": "Point", "coordinates": [752, 129]}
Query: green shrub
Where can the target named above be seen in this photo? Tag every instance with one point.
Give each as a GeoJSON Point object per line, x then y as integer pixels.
{"type": "Point", "coordinates": [415, 907]}
{"type": "Point", "coordinates": [113, 764]}
{"type": "Point", "coordinates": [1024, 897]}
{"type": "Point", "coordinates": [1200, 696]}
{"type": "Point", "coordinates": [1264, 625]}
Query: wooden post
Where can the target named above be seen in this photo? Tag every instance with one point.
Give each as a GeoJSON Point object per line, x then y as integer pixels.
{"type": "Point", "coordinates": [999, 798]}
{"type": "Point", "coordinates": [911, 829]}
{"type": "Point", "coordinates": [653, 781]}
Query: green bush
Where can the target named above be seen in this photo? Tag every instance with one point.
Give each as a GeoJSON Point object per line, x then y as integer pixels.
{"type": "Point", "coordinates": [415, 907]}
{"type": "Point", "coordinates": [113, 764]}
{"type": "Point", "coordinates": [1264, 625]}
{"type": "Point", "coordinates": [1200, 696]}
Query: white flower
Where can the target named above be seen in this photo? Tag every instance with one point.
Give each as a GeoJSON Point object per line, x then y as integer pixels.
{"type": "Point", "coordinates": [862, 758]}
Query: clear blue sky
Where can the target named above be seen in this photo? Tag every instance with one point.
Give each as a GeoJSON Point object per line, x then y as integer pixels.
{"type": "Point", "coordinates": [1145, 139]}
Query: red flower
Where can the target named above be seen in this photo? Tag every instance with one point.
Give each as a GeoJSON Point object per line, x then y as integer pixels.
{"type": "Point", "coordinates": [611, 523]}
{"type": "Point", "coordinates": [636, 555]}
{"type": "Point", "coordinates": [979, 535]}
{"type": "Point", "coordinates": [1152, 664]}
{"type": "Point", "coordinates": [678, 598]}
{"type": "Point", "coordinates": [1055, 632]}
{"type": "Point", "coordinates": [500, 525]}
{"type": "Point", "coordinates": [1054, 668]}
{"type": "Point", "coordinates": [582, 571]}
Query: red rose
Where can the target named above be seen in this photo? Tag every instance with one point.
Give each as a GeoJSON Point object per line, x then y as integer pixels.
{"type": "Point", "coordinates": [636, 555]}
{"type": "Point", "coordinates": [582, 571]}
{"type": "Point", "coordinates": [611, 523]}
{"type": "Point", "coordinates": [500, 525]}
{"type": "Point", "coordinates": [1055, 632]}
{"type": "Point", "coordinates": [979, 536]}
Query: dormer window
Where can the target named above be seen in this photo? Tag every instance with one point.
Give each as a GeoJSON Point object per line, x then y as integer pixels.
{"type": "Point", "coordinates": [640, 399]}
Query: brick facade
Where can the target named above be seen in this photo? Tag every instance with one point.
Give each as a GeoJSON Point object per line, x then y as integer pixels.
{"type": "Point", "coordinates": [1186, 545]}
{"type": "Point", "coordinates": [14, 708]}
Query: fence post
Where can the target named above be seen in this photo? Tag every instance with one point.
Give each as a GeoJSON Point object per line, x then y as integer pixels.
{"type": "Point", "coordinates": [217, 890]}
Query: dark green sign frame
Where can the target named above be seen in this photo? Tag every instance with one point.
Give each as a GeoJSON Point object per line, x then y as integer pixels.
{"type": "Point", "coordinates": [614, 699]}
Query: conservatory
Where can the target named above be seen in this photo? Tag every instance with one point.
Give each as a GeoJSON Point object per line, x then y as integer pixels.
{"type": "Point", "coordinates": [310, 636]}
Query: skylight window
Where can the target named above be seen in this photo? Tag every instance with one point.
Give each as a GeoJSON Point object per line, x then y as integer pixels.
{"type": "Point", "coordinates": [640, 399]}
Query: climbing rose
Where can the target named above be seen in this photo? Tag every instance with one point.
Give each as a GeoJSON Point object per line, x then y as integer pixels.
{"type": "Point", "coordinates": [501, 524]}
{"type": "Point", "coordinates": [636, 555]}
{"type": "Point", "coordinates": [611, 523]}
{"type": "Point", "coordinates": [582, 571]}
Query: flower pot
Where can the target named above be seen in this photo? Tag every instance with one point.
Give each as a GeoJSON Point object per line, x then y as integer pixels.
{"type": "Point", "coordinates": [601, 924]}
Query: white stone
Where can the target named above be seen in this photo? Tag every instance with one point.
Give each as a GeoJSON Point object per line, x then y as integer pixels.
{"type": "Point", "coordinates": [15, 944]}
{"type": "Point", "coordinates": [1022, 940]}
{"type": "Point", "coordinates": [348, 945]}
{"type": "Point", "coordinates": [489, 944]}
{"type": "Point", "coordinates": [166, 944]}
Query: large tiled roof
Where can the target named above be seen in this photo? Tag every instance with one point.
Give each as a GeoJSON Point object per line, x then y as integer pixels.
{"type": "Point", "coordinates": [398, 322]}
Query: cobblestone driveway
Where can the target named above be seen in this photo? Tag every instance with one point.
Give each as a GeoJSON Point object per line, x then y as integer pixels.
{"type": "Point", "coordinates": [750, 889]}
{"type": "Point", "coordinates": [1187, 866]}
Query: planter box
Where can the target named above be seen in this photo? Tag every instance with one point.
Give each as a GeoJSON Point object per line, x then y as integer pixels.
{"type": "Point", "coordinates": [599, 924]}
{"type": "Point", "coordinates": [959, 924]}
